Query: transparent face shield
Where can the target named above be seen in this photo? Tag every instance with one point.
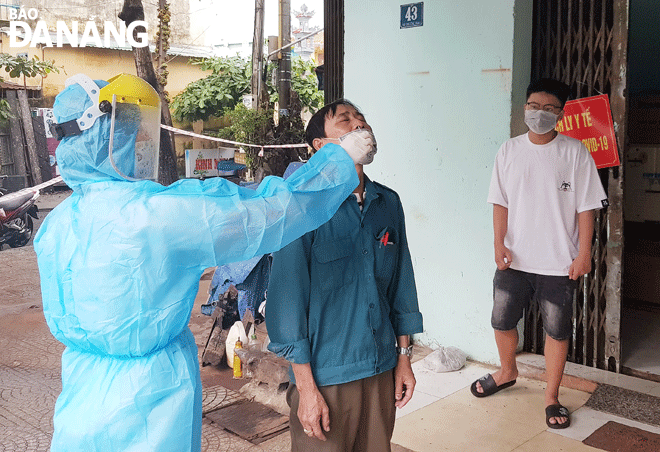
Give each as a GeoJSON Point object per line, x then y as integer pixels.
{"type": "Point", "coordinates": [134, 140]}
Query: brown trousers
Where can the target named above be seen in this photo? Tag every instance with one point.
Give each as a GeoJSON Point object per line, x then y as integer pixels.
{"type": "Point", "coordinates": [362, 415]}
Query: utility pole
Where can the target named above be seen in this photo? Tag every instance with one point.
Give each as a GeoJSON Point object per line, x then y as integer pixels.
{"type": "Point", "coordinates": [144, 67]}
{"type": "Point", "coordinates": [257, 53]}
{"type": "Point", "coordinates": [284, 90]}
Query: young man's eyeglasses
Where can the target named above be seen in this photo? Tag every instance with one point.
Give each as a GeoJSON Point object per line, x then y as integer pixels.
{"type": "Point", "coordinates": [548, 107]}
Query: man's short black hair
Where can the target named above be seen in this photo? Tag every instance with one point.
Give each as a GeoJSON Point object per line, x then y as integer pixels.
{"type": "Point", "coordinates": [316, 126]}
{"type": "Point", "coordinates": [551, 86]}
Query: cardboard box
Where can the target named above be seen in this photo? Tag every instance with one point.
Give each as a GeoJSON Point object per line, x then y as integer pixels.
{"type": "Point", "coordinates": [239, 157]}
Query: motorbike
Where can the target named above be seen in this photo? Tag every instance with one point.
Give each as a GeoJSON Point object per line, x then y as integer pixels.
{"type": "Point", "coordinates": [16, 213]}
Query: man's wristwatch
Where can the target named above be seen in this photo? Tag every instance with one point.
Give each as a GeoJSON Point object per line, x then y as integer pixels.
{"type": "Point", "coordinates": [405, 350]}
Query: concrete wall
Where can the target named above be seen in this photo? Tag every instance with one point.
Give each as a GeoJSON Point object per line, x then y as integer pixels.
{"type": "Point", "coordinates": [440, 98]}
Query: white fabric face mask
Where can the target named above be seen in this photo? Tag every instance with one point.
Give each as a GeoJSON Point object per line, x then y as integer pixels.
{"type": "Point", "coordinates": [540, 121]}
{"type": "Point", "coordinates": [360, 144]}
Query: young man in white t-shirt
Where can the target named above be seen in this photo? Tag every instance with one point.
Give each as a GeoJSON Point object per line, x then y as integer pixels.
{"type": "Point", "coordinates": [544, 191]}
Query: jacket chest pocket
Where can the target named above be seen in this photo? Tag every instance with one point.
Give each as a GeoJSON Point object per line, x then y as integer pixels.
{"type": "Point", "coordinates": [385, 254]}
{"type": "Point", "coordinates": [385, 261]}
{"type": "Point", "coordinates": [334, 265]}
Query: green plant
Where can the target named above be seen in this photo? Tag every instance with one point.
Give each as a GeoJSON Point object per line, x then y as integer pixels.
{"type": "Point", "coordinates": [18, 66]}
{"type": "Point", "coordinates": [210, 96]}
{"type": "Point", "coordinates": [230, 80]}
{"type": "Point", "coordinates": [305, 83]}
{"type": "Point", "coordinates": [5, 111]}
{"type": "Point", "coordinates": [248, 126]}
{"type": "Point", "coordinates": [258, 127]}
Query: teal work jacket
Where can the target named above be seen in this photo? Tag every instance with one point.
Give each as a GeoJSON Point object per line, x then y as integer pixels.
{"type": "Point", "coordinates": [340, 295]}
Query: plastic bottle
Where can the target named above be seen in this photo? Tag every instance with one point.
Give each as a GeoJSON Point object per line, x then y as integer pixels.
{"type": "Point", "coordinates": [254, 343]}
{"type": "Point", "coordinates": [238, 370]}
{"type": "Point", "coordinates": [236, 332]}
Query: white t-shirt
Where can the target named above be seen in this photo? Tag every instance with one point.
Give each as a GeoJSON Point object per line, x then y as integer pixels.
{"type": "Point", "coordinates": [544, 187]}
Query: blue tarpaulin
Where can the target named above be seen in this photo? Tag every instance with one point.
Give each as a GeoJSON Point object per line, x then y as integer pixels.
{"type": "Point", "coordinates": [230, 165]}
{"type": "Point", "coordinates": [250, 279]}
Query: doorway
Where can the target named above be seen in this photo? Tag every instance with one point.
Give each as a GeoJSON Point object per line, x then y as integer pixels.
{"type": "Point", "coordinates": [583, 43]}
{"type": "Point", "coordinates": [610, 47]}
{"type": "Point", "coordinates": [640, 310]}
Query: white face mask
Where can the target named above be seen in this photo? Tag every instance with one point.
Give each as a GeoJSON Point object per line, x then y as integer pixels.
{"type": "Point", "coordinates": [540, 121]}
{"type": "Point", "coordinates": [360, 144]}
{"type": "Point", "coordinates": [362, 132]}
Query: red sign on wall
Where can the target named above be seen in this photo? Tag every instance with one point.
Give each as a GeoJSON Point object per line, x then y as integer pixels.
{"type": "Point", "coordinates": [590, 120]}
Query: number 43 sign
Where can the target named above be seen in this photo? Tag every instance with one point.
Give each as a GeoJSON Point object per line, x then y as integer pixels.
{"type": "Point", "coordinates": [412, 15]}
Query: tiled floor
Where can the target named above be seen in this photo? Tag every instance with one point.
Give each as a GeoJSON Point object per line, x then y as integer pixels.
{"type": "Point", "coordinates": [586, 421]}
{"type": "Point", "coordinates": [444, 416]}
{"type": "Point", "coordinates": [597, 375]}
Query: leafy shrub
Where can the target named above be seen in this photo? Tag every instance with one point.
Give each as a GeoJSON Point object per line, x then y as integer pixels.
{"type": "Point", "coordinates": [224, 88]}
{"type": "Point", "coordinates": [230, 80]}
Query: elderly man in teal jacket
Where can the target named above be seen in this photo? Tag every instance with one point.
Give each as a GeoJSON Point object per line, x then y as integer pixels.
{"type": "Point", "coordinates": [341, 306]}
{"type": "Point", "coordinates": [120, 262]}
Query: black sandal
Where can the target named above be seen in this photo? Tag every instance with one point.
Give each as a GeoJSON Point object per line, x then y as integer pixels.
{"type": "Point", "coordinates": [557, 410]}
{"type": "Point", "coordinates": [489, 386]}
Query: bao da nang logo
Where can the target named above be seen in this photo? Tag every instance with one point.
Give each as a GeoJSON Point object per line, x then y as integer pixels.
{"type": "Point", "coordinates": [22, 34]}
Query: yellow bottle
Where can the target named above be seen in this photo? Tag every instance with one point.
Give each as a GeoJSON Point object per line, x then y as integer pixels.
{"type": "Point", "coordinates": [238, 371]}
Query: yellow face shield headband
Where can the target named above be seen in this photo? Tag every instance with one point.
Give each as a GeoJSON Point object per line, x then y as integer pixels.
{"type": "Point", "coordinates": [125, 87]}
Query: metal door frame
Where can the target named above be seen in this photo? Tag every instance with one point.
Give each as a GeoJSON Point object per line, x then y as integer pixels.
{"type": "Point", "coordinates": [333, 49]}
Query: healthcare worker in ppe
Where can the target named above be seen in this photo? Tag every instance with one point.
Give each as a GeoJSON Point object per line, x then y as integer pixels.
{"type": "Point", "coordinates": [121, 258]}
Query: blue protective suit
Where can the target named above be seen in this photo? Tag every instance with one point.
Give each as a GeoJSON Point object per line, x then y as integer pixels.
{"type": "Point", "coordinates": [120, 264]}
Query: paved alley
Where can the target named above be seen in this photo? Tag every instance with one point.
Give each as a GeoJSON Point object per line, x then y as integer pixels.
{"type": "Point", "coordinates": [442, 416]}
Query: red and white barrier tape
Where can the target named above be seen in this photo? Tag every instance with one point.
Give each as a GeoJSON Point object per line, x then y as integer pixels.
{"type": "Point", "coordinates": [206, 137]}
{"type": "Point", "coordinates": [36, 189]}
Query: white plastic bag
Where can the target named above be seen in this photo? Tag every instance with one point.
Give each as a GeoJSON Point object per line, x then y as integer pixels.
{"type": "Point", "coordinates": [445, 359]}
{"type": "Point", "coordinates": [236, 332]}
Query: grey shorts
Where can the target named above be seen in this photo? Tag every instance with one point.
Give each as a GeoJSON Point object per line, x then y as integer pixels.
{"type": "Point", "coordinates": [514, 291]}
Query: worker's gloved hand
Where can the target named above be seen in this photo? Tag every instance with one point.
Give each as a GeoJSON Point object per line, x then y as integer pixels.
{"type": "Point", "coordinates": [360, 145]}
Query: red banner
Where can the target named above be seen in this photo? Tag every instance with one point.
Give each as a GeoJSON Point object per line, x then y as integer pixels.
{"type": "Point", "coordinates": [590, 121]}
